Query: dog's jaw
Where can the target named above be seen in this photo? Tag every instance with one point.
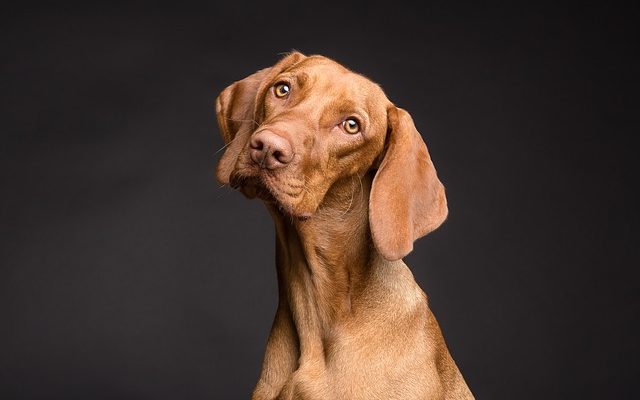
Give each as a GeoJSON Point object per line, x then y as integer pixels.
{"type": "Point", "coordinates": [285, 193]}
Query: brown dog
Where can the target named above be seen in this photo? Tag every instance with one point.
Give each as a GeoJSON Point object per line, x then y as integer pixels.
{"type": "Point", "coordinates": [350, 185]}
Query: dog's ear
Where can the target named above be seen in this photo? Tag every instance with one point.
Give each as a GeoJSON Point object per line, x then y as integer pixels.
{"type": "Point", "coordinates": [407, 199]}
{"type": "Point", "coordinates": [237, 108]}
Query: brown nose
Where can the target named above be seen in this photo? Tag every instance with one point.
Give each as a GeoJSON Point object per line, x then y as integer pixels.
{"type": "Point", "coordinates": [270, 150]}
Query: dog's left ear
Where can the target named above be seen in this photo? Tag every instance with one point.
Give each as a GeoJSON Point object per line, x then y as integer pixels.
{"type": "Point", "coordinates": [238, 109]}
{"type": "Point", "coordinates": [407, 199]}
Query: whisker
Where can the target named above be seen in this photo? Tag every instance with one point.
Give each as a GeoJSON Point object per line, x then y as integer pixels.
{"type": "Point", "coordinates": [239, 120]}
{"type": "Point", "coordinates": [350, 201]}
{"type": "Point", "coordinates": [242, 120]}
{"type": "Point", "coordinates": [361, 189]}
{"type": "Point", "coordinates": [237, 134]}
{"type": "Point", "coordinates": [225, 146]}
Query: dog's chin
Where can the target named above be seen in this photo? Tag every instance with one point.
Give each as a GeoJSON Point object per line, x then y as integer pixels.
{"type": "Point", "coordinates": [255, 187]}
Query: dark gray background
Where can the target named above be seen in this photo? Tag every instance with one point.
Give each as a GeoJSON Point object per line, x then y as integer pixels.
{"type": "Point", "coordinates": [126, 273]}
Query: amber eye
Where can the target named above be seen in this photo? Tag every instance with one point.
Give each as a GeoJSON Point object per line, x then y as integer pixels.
{"type": "Point", "coordinates": [281, 89]}
{"type": "Point", "coordinates": [351, 126]}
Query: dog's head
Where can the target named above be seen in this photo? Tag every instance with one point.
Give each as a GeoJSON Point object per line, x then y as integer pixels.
{"type": "Point", "coordinates": [293, 131]}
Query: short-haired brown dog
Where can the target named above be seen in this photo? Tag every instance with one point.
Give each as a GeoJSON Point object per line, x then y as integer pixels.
{"type": "Point", "coordinates": [350, 185]}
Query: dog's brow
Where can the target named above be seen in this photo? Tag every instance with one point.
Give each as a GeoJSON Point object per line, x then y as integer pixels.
{"type": "Point", "coordinates": [288, 76]}
{"type": "Point", "coordinates": [334, 113]}
{"type": "Point", "coordinates": [302, 78]}
{"type": "Point", "coordinates": [347, 107]}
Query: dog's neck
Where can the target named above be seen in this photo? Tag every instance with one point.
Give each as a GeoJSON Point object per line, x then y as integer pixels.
{"type": "Point", "coordinates": [323, 262]}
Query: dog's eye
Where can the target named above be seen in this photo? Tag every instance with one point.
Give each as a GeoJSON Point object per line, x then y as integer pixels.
{"type": "Point", "coordinates": [351, 126]}
{"type": "Point", "coordinates": [281, 89]}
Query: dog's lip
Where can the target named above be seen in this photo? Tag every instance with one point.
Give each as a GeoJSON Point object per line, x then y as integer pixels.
{"type": "Point", "coordinates": [254, 183]}
{"type": "Point", "coordinates": [259, 181]}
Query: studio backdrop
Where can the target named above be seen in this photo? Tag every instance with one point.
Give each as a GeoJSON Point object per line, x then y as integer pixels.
{"type": "Point", "coordinates": [126, 272]}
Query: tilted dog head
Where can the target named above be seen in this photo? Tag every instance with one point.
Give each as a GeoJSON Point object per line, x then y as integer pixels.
{"type": "Point", "coordinates": [293, 130]}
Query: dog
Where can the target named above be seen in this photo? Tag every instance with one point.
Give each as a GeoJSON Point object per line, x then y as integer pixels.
{"type": "Point", "coordinates": [350, 185]}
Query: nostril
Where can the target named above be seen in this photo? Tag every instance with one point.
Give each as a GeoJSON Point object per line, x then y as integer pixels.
{"type": "Point", "coordinates": [257, 144]}
{"type": "Point", "coordinates": [277, 154]}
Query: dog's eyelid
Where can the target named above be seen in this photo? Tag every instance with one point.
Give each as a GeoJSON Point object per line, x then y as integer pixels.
{"type": "Point", "coordinates": [289, 79]}
{"type": "Point", "coordinates": [282, 81]}
{"type": "Point", "coordinates": [355, 117]}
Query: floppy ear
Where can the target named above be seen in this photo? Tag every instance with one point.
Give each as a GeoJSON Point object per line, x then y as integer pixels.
{"type": "Point", "coordinates": [407, 199]}
{"type": "Point", "coordinates": [236, 109]}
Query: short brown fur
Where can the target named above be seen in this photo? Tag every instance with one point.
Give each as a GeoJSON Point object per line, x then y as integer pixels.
{"type": "Point", "coordinates": [351, 321]}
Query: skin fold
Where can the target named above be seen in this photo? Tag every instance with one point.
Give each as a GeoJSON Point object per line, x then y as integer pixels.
{"type": "Point", "coordinates": [350, 185]}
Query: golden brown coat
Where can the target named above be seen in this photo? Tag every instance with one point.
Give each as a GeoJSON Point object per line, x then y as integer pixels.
{"type": "Point", "coordinates": [351, 322]}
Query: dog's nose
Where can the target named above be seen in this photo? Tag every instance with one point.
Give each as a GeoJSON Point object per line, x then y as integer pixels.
{"type": "Point", "coordinates": [270, 150]}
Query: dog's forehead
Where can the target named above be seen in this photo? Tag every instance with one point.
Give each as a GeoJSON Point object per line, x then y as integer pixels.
{"type": "Point", "coordinates": [319, 65]}
{"type": "Point", "coordinates": [324, 70]}
{"type": "Point", "coordinates": [338, 82]}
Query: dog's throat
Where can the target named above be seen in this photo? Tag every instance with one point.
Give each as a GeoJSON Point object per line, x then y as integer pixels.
{"type": "Point", "coordinates": [322, 262]}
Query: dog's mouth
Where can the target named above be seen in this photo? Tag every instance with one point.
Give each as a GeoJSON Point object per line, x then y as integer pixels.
{"type": "Point", "coordinates": [284, 194]}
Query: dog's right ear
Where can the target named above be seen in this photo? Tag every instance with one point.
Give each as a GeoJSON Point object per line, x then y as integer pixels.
{"type": "Point", "coordinates": [236, 109]}
{"type": "Point", "coordinates": [407, 199]}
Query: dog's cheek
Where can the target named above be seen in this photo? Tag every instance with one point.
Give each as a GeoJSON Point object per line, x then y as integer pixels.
{"type": "Point", "coordinates": [265, 108]}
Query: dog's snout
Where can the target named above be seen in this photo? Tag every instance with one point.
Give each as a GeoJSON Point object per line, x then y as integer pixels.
{"type": "Point", "coordinates": [270, 150]}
